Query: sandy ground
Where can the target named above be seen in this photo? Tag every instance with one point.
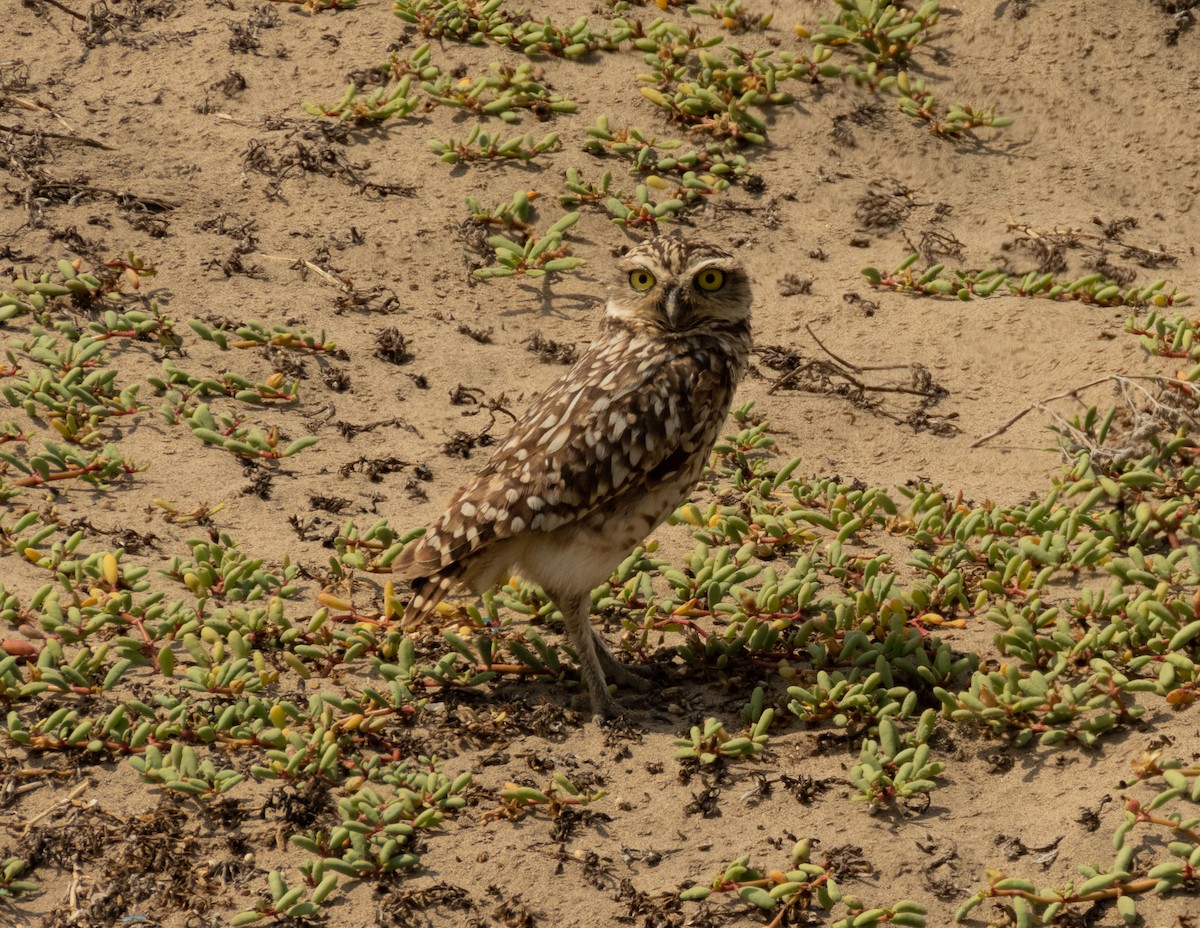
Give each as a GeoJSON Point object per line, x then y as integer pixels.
{"type": "Point", "coordinates": [200, 169]}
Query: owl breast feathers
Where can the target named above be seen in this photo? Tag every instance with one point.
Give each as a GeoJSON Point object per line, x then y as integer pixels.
{"type": "Point", "coordinates": [632, 414]}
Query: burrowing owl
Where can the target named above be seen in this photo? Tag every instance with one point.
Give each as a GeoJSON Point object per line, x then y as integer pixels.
{"type": "Point", "coordinates": [606, 453]}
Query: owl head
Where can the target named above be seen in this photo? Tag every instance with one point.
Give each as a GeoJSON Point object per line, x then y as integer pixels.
{"type": "Point", "coordinates": [677, 285]}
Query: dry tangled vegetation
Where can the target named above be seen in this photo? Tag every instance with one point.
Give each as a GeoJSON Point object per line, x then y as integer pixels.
{"type": "Point", "coordinates": [244, 353]}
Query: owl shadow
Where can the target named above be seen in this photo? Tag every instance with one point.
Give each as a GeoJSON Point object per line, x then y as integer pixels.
{"type": "Point", "coordinates": [690, 694]}
{"type": "Point", "coordinates": [560, 304]}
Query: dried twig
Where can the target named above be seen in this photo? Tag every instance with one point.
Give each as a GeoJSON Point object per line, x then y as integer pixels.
{"type": "Point", "coordinates": [73, 139]}
{"type": "Point", "coordinates": [821, 345]}
{"type": "Point", "coordinates": [839, 377]}
{"type": "Point", "coordinates": [845, 369]}
{"type": "Point", "coordinates": [1040, 404]}
{"type": "Point", "coordinates": [329, 278]}
{"type": "Point", "coordinates": [66, 9]}
{"type": "Point", "coordinates": [50, 810]}
{"type": "Point", "coordinates": [34, 107]}
{"type": "Point", "coordinates": [1122, 379]}
{"type": "Point", "coordinates": [1070, 236]}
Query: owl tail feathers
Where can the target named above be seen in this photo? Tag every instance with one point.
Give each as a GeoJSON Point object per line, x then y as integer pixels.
{"type": "Point", "coordinates": [428, 593]}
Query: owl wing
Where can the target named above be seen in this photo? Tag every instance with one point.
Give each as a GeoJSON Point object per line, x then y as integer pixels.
{"type": "Point", "coordinates": [617, 425]}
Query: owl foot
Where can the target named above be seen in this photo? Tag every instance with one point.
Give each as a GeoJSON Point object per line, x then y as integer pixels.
{"type": "Point", "coordinates": [607, 711]}
{"type": "Point", "coordinates": [626, 676]}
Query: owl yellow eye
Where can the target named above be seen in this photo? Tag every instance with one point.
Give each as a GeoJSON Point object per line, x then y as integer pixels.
{"type": "Point", "coordinates": [710, 280]}
{"type": "Point", "coordinates": [641, 280]}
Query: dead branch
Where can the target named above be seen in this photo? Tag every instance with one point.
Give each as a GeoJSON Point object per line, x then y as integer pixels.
{"type": "Point", "coordinates": [1150, 417]}
{"type": "Point", "coordinates": [73, 139]}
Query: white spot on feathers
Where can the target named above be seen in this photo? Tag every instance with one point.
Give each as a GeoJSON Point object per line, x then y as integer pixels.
{"type": "Point", "coordinates": [560, 439]}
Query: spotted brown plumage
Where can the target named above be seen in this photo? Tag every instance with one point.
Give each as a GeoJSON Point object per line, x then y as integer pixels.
{"type": "Point", "coordinates": [606, 453]}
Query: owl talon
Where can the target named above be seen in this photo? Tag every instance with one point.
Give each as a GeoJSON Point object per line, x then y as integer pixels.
{"type": "Point", "coordinates": [607, 710]}
{"type": "Point", "coordinates": [626, 677]}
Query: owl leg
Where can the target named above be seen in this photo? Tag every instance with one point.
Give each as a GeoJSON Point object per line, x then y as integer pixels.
{"type": "Point", "coordinates": [620, 674]}
{"type": "Point", "coordinates": [576, 612]}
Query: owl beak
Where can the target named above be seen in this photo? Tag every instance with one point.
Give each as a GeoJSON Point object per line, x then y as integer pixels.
{"type": "Point", "coordinates": [674, 306]}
